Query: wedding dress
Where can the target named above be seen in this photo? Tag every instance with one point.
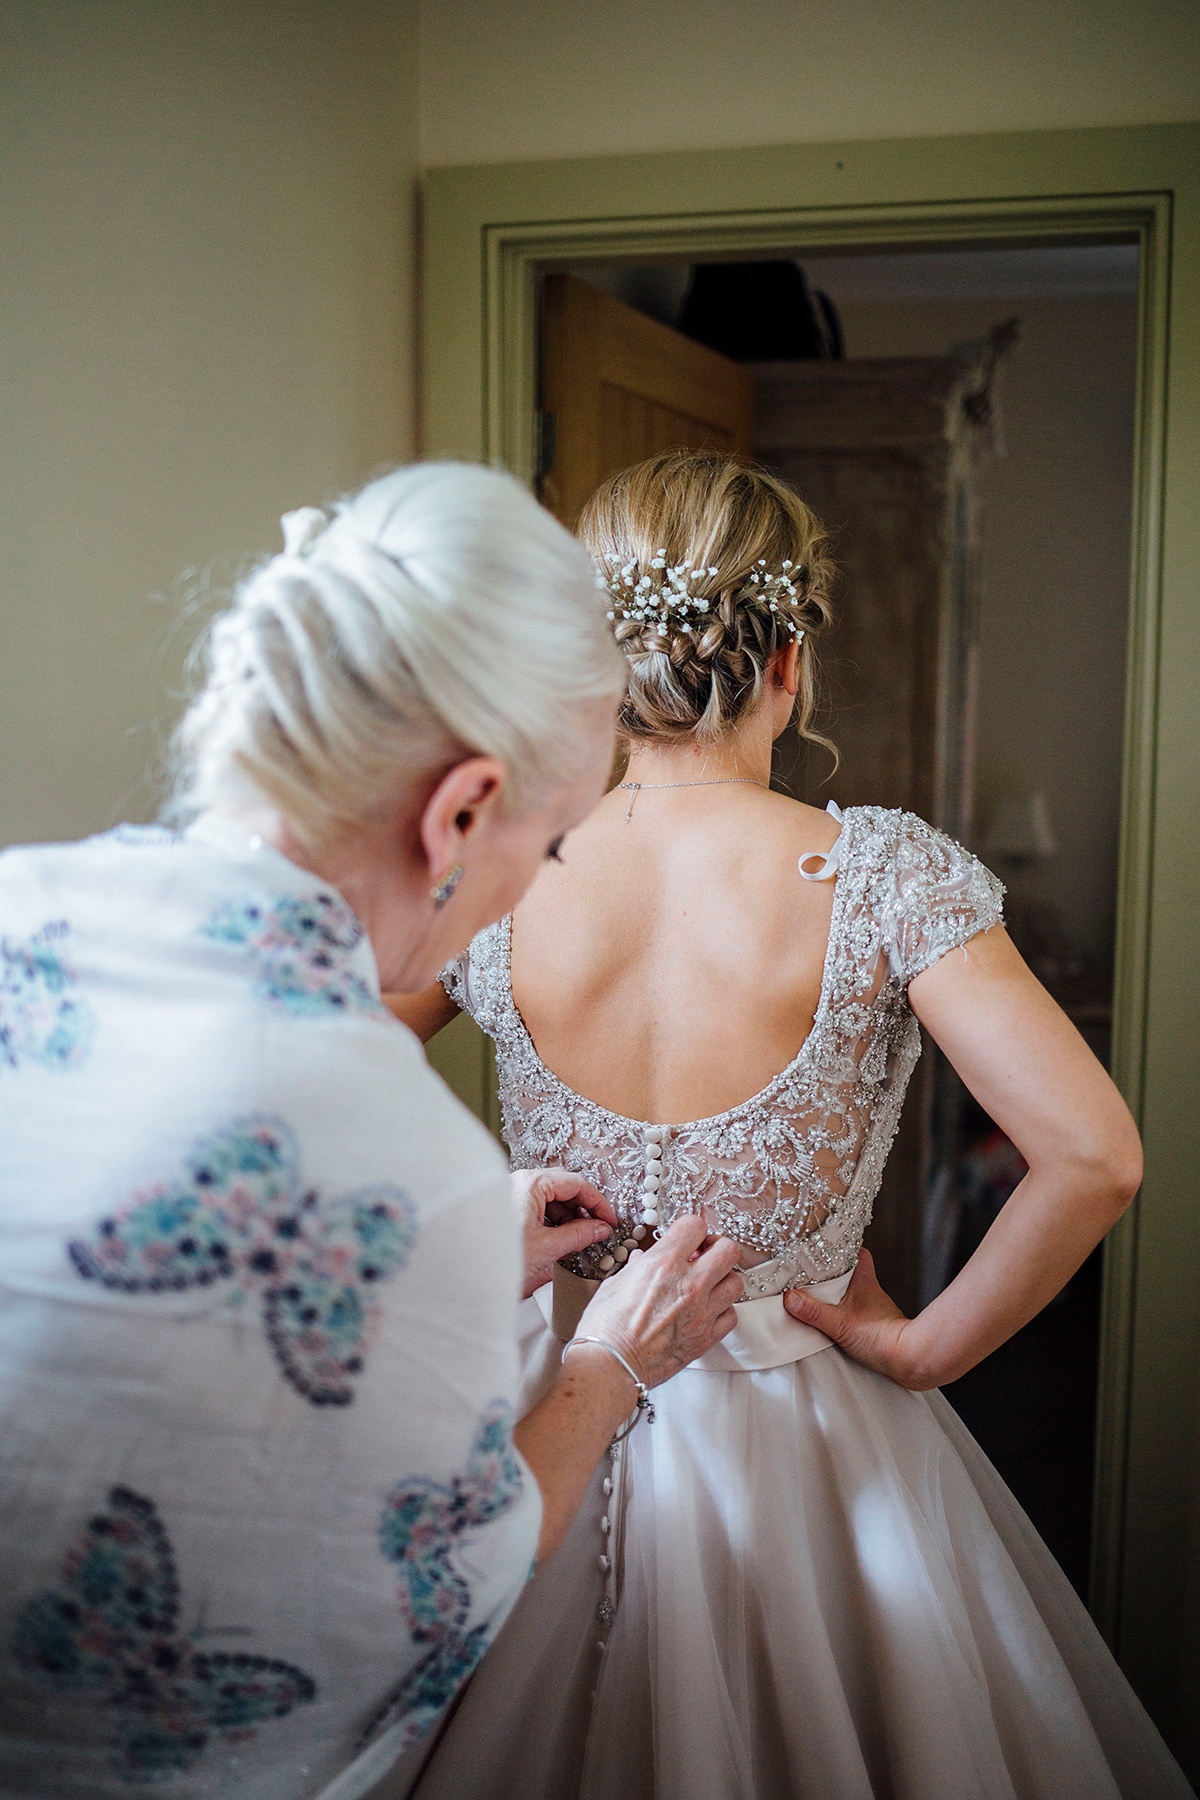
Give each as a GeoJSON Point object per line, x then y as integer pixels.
{"type": "Point", "coordinates": [802, 1582]}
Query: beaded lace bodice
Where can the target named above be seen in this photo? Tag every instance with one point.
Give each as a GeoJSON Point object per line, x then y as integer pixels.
{"type": "Point", "coordinates": [792, 1172]}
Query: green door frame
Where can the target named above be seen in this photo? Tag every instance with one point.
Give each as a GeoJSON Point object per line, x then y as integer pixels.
{"type": "Point", "coordinates": [490, 230]}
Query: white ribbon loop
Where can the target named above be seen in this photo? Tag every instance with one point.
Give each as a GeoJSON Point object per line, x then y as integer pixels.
{"type": "Point", "coordinates": [828, 860]}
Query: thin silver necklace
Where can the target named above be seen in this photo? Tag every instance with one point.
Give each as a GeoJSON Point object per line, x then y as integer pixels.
{"type": "Point", "coordinates": [655, 786]}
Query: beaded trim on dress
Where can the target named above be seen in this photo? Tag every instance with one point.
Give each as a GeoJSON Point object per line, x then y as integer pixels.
{"type": "Point", "coordinates": [791, 1173]}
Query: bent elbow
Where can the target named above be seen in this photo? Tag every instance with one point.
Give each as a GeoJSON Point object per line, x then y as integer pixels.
{"type": "Point", "coordinates": [1127, 1172]}
{"type": "Point", "coordinates": [1111, 1171]}
{"type": "Point", "coordinates": [1124, 1161]}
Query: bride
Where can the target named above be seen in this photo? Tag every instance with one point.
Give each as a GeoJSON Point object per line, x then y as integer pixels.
{"type": "Point", "coordinates": [803, 1580]}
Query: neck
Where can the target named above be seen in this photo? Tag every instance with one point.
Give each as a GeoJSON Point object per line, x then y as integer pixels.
{"type": "Point", "coordinates": [384, 888]}
{"type": "Point", "coordinates": [736, 758]}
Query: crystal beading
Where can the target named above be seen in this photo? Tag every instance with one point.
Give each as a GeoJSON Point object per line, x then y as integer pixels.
{"type": "Point", "coordinates": [792, 1172]}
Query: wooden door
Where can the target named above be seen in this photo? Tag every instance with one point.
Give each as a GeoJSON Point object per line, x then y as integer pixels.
{"type": "Point", "coordinates": [617, 387]}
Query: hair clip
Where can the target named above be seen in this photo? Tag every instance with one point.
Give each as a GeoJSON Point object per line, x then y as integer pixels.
{"type": "Point", "coordinates": [664, 597]}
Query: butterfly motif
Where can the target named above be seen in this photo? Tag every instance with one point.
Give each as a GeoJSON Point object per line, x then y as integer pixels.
{"type": "Point", "coordinates": [423, 1523]}
{"type": "Point", "coordinates": [42, 1017]}
{"type": "Point", "coordinates": [302, 949]}
{"type": "Point", "coordinates": [239, 1216]}
{"type": "Point", "coordinates": [112, 1627]}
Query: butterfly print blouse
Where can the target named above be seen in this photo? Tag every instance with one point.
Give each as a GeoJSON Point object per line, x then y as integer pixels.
{"type": "Point", "coordinates": [260, 1510]}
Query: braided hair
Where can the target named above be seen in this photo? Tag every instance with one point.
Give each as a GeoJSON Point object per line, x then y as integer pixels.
{"type": "Point", "coordinates": [753, 559]}
{"type": "Point", "coordinates": [438, 613]}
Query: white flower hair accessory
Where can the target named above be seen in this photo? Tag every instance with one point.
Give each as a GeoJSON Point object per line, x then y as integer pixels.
{"type": "Point", "coordinates": [301, 529]}
{"type": "Point", "coordinates": [665, 597]}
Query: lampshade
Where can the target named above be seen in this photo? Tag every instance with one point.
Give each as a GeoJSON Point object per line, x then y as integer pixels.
{"type": "Point", "coordinates": [1021, 829]}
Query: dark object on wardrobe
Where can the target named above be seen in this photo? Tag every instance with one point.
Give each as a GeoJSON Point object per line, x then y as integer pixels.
{"type": "Point", "coordinates": [760, 312]}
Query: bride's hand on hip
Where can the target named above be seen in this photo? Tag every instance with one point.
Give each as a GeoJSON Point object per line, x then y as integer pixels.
{"type": "Point", "coordinates": [866, 1323]}
{"type": "Point", "coordinates": [669, 1304]}
{"type": "Point", "coordinates": [549, 1203]}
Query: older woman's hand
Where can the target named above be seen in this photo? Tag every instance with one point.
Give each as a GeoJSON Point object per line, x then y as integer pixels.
{"type": "Point", "coordinates": [550, 1202]}
{"type": "Point", "coordinates": [669, 1304]}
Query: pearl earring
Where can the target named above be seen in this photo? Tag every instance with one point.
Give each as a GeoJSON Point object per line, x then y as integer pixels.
{"type": "Point", "coordinates": [442, 890]}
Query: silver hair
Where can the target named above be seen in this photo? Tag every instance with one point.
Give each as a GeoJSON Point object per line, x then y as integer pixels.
{"type": "Point", "coordinates": [439, 612]}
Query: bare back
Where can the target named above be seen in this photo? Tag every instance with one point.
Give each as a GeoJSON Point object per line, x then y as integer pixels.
{"type": "Point", "coordinates": [670, 966]}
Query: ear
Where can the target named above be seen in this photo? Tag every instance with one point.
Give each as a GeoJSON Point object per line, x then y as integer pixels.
{"type": "Point", "coordinates": [463, 803]}
{"type": "Point", "coordinates": [783, 671]}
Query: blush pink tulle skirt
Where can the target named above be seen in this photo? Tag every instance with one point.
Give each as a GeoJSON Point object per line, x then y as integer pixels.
{"type": "Point", "coordinates": [823, 1591]}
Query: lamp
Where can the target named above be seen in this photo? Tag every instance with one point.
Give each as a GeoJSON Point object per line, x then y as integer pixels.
{"type": "Point", "coordinates": [1021, 830]}
{"type": "Point", "coordinates": [1022, 833]}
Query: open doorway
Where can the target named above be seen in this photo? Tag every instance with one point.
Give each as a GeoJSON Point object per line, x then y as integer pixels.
{"type": "Point", "coordinates": [491, 232]}
{"type": "Point", "coordinates": [1031, 778]}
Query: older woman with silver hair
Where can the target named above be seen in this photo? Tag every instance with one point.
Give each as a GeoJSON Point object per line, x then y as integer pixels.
{"type": "Point", "coordinates": [263, 1501]}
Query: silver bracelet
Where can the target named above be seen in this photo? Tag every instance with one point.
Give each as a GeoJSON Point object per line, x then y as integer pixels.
{"type": "Point", "coordinates": [644, 1402]}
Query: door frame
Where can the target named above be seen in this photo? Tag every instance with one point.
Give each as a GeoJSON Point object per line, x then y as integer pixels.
{"type": "Point", "coordinates": [489, 232]}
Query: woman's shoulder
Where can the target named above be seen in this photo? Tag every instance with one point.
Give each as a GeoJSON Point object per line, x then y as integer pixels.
{"type": "Point", "coordinates": [478, 979]}
{"type": "Point", "coordinates": [929, 893]}
{"type": "Point", "coordinates": [817, 826]}
{"type": "Point", "coordinates": [365, 1099]}
{"type": "Point", "coordinates": [153, 912]}
{"type": "Point", "coordinates": [217, 994]}
{"type": "Point", "coordinates": [33, 871]}
{"type": "Point", "coordinates": [67, 908]}
{"type": "Point", "coordinates": [890, 835]}
{"type": "Point", "coordinates": [878, 834]}
{"type": "Point", "coordinates": [106, 879]}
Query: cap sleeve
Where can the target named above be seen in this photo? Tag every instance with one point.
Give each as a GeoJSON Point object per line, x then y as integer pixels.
{"type": "Point", "coordinates": [477, 980]}
{"type": "Point", "coordinates": [455, 979]}
{"type": "Point", "coordinates": [940, 897]}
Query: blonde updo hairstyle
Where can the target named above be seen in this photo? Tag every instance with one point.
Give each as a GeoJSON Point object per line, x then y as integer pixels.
{"type": "Point", "coordinates": [699, 674]}
{"type": "Point", "coordinates": [439, 613]}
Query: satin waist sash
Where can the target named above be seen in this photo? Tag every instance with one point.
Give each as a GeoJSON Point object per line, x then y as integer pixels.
{"type": "Point", "coordinates": [765, 1337]}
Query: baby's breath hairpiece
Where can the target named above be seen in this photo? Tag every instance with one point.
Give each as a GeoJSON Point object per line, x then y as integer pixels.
{"type": "Point", "coordinates": [665, 596]}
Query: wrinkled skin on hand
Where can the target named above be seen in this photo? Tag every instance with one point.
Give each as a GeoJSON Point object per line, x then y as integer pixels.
{"type": "Point", "coordinates": [669, 1304]}
{"type": "Point", "coordinates": [560, 1213]}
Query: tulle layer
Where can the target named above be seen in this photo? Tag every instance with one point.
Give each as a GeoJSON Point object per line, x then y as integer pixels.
{"type": "Point", "coordinates": [826, 1593]}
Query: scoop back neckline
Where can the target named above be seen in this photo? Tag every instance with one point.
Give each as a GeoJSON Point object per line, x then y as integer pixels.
{"type": "Point", "coordinates": [757, 1099]}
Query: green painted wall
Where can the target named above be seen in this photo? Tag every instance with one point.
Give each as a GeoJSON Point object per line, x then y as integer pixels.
{"type": "Point", "coordinates": [500, 83]}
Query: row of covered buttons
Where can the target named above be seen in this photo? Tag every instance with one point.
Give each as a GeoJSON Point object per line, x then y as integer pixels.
{"type": "Point", "coordinates": [606, 1525]}
{"type": "Point", "coordinates": [606, 1610]}
{"type": "Point", "coordinates": [653, 1139]}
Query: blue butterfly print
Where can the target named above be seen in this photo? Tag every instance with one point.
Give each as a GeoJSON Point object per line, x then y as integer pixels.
{"type": "Point", "coordinates": [113, 1627]}
{"type": "Point", "coordinates": [423, 1523]}
{"type": "Point", "coordinates": [42, 1018]}
{"type": "Point", "coordinates": [301, 947]}
{"type": "Point", "coordinates": [239, 1215]}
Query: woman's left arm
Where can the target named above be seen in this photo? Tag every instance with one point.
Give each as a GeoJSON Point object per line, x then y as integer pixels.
{"type": "Point", "coordinates": [425, 1013]}
{"type": "Point", "coordinates": [1033, 1074]}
